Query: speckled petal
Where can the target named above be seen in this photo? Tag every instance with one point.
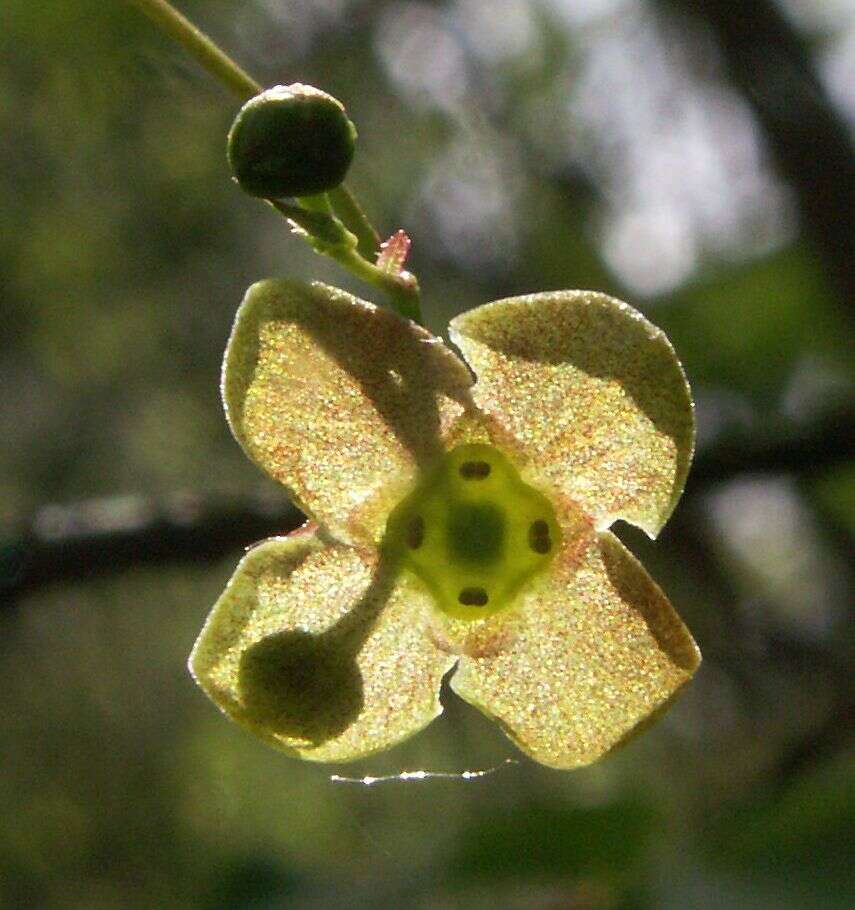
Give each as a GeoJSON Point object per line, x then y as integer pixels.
{"type": "Point", "coordinates": [593, 392]}
{"type": "Point", "coordinates": [337, 399]}
{"type": "Point", "coordinates": [319, 652]}
{"type": "Point", "coordinates": [593, 653]}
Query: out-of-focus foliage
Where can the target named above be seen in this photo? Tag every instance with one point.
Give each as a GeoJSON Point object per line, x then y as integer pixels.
{"type": "Point", "coordinates": [556, 145]}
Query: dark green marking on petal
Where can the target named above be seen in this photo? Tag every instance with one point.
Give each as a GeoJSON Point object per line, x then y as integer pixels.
{"type": "Point", "coordinates": [474, 532]}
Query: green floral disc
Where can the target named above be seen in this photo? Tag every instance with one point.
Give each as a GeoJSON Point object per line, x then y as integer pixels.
{"type": "Point", "coordinates": [473, 532]}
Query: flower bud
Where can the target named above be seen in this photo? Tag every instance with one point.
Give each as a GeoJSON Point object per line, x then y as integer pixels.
{"type": "Point", "coordinates": [291, 140]}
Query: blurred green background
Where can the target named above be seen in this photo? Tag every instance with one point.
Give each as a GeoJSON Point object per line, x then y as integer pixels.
{"type": "Point", "coordinates": [694, 159]}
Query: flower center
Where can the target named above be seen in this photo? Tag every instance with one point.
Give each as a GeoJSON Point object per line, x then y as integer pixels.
{"type": "Point", "coordinates": [474, 532]}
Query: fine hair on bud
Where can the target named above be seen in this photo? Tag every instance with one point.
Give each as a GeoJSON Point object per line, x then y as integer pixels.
{"type": "Point", "coordinates": [291, 140]}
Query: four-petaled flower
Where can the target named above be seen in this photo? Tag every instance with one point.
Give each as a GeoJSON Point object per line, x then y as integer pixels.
{"type": "Point", "coordinates": [452, 521]}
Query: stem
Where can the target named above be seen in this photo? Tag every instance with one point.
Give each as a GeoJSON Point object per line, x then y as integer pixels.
{"type": "Point", "coordinates": [317, 203]}
{"type": "Point", "coordinates": [197, 43]}
{"type": "Point", "coordinates": [403, 290]}
{"type": "Point", "coordinates": [350, 211]}
{"type": "Point", "coordinates": [324, 231]}
{"type": "Point", "coordinates": [315, 215]}
{"type": "Point", "coordinates": [339, 244]}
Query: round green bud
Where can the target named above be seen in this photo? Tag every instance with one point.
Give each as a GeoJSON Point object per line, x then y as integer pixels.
{"type": "Point", "coordinates": [291, 140]}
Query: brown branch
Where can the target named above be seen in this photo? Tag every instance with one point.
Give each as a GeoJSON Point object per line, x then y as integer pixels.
{"type": "Point", "coordinates": [98, 538]}
{"type": "Point", "coordinates": [769, 63]}
{"type": "Point", "coordinates": [81, 541]}
{"type": "Point", "coordinates": [102, 537]}
{"type": "Point", "coordinates": [825, 442]}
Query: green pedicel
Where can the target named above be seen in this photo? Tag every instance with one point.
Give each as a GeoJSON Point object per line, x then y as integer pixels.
{"type": "Point", "coordinates": [474, 532]}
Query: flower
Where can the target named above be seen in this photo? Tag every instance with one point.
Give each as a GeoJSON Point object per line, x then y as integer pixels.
{"type": "Point", "coordinates": [452, 522]}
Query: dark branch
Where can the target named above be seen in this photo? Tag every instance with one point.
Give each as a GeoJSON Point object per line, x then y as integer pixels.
{"type": "Point", "coordinates": [82, 541]}
{"type": "Point", "coordinates": [68, 543]}
{"type": "Point", "coordinates": [770, 65]}
{"type": "Point", "coordinates": [825, 442]}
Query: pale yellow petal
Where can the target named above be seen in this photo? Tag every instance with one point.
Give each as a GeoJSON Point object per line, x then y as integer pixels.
{"type": "Point", "coordinates": [319, 652]}
{"type": "Point", "coordinates": [337, 399]}
{"type": "Point", "coordinates": [593, 392]}
{"type": "Point", "coordinates": [591, 655]}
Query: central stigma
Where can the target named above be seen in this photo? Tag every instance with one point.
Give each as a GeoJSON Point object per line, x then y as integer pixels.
{"type": "Point", "coordinates": [473, 532]}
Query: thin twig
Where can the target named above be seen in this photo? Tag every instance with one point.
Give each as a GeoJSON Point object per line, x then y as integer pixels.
{"type": "Point", "coordinates": [327, 235]}
{"type": "Point", "coordinates": [200, 46]}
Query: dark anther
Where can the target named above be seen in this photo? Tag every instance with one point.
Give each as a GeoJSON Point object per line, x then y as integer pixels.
{"type": "Point", "coordinates": [538, 536]}
{"type": "Point", "coordinates": [416, 532]}
{"type": "Point", "coordinates": [473, 597]}
{"type": "Point", "coordinates": [474, 470]}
